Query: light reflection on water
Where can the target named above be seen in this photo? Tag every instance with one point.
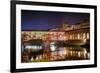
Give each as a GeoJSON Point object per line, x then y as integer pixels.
{"type": "Point", "coordinates": [56, 53]}
{"type": "Point", "coordinates": [70, 53]}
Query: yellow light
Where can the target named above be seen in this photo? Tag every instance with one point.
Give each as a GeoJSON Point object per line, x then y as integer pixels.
{"type": "Point", "coordinates": [79, 54]}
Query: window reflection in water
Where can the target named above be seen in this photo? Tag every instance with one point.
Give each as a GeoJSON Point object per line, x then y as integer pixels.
{"type": "Point", "coordinates": [56, 53]}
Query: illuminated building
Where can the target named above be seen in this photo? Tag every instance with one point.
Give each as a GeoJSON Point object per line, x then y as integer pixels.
{"type": "Point", "coordinates": [78, 34]}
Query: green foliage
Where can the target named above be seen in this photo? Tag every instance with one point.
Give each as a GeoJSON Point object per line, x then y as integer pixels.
{"type": "Point", "coordinates": [42, 60]}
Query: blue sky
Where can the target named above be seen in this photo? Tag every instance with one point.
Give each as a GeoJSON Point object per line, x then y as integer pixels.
{"type": "Point", "coordinates": [44, 20]}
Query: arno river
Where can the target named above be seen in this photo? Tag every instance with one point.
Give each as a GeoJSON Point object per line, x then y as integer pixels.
{"type": "Point", "coordinates": [54, 52]}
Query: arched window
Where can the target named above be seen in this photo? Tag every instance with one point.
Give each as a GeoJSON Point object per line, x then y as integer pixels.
{"type": "Point", "coordinates": [88, 36]}
{"type": "Point", "coordinates": [83, 35]}
{"type": "Point", "coordinates": [78, 36]}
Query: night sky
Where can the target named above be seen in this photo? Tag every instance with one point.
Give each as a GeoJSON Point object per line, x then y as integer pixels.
{"type": "Point", "coordinates": [45, 20]}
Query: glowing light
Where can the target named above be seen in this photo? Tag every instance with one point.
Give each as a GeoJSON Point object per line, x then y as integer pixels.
{"type": "Point", "coordinates": [84, 40]}
{"type": "Point", "coordinates": [32, 59]}
{"type": "Point", "coordinates": [33, 47]}
{"type": "Point", "coordinates": [78, 36]}
{"type": "Point", "coordinates": [71, 52]}
{"type": "Point", "coordinates": [85, 51]}
{"type": "Point", "coordinates": [79, 54]}
{"type": "Point", "coordinates": [52, 46]}
{"type": "Point", "coordinates": [87, 35]}
{"type": "Point", "coordinates": [88, 54]}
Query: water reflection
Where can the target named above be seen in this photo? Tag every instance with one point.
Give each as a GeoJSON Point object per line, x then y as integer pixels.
{"type": "Point", "coordinates": [70, 53]}
{"type": "Point", "coordinates": [54, 53]}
